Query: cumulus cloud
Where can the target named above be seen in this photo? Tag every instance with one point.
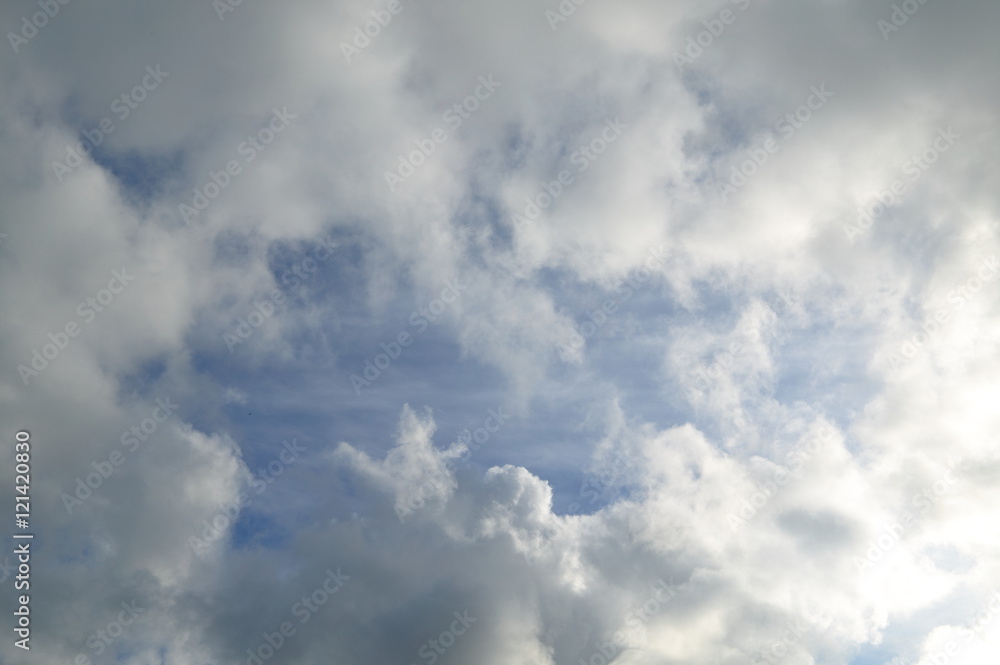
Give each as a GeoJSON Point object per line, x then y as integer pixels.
{"type": "Point", "coordinates": [676, 331]}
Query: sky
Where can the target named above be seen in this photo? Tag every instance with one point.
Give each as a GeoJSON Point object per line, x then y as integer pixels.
{"type": "Point", "coordinates": [534, 333]}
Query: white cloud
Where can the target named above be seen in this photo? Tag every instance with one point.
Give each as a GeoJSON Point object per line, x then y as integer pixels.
{"type": "Point", "coordinates": [887, 344]}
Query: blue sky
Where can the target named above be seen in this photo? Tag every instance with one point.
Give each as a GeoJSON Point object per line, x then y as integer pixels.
{"type": "Point", "coordinates": [614, 371]}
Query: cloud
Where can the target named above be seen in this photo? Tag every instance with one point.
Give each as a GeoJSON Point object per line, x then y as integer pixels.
{"type": "Point", "coordinates": [788, 426]}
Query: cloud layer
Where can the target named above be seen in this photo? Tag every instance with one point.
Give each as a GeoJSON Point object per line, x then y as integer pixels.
{"type": "Point", "coordinates": [516, 333]}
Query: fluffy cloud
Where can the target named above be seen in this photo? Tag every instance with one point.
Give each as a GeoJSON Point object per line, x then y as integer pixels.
{"type": "Point", "coordinates": [775, 443]}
